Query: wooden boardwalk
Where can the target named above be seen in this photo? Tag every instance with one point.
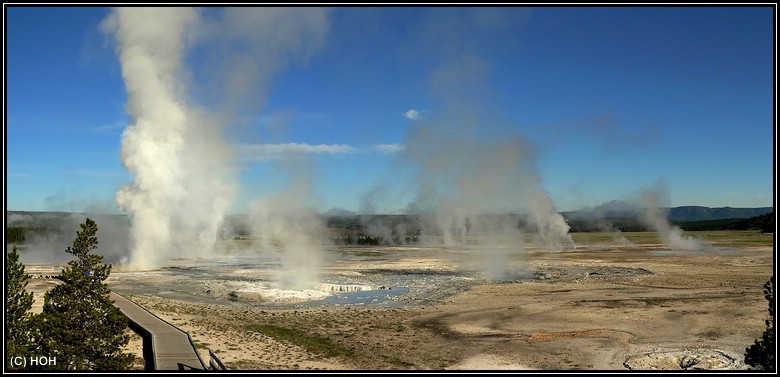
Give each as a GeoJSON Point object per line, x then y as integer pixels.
{"type": "Point", "coordinates": [166, 347]}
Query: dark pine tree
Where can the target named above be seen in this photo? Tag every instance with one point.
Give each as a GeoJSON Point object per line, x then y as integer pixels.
{"type": "Point", "coordinates": [761, 355]}
{"type": "Point", "coordinates": [80, 325]}
{"type": "Point", "coordinates": [18, 303]}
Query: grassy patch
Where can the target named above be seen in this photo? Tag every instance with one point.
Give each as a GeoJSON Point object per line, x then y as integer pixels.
{"type": "Point", "coordinates": [655, 301]}
{"type": "Point", "coordinates": [400, 363]}
{"type": "Point", "coordinates": [722, 238]}
{"type": "Point", "coordinates": [600, 238]}
{"type": "Point", "coordinates": [735, 238]}
{"type": "Point", "coordinates": [710, 334]}
{"type": "Point", "coordinates": [613, 304]}
{"type": "Point", "coordinates": [311, 343]}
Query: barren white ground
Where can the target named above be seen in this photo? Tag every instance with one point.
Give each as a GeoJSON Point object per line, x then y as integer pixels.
{"type": "Point", "coordinates": [598, 307]}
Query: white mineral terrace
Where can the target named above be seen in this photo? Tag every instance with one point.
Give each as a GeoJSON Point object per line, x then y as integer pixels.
{"type": "Point", "coordinates": [328, 287]}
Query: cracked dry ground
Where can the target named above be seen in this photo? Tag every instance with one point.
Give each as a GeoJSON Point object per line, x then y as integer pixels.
{"type": "Point", "coordinates": [615, 309]}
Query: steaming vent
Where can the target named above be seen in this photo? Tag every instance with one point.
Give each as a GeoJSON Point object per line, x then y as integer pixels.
{"type": "Point", "coordinates": [328, 287]}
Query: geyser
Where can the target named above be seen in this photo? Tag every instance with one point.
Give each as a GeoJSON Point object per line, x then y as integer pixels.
{"type": "Point", "coordinates": [183, 169]}
{"type": "Point", "coordinates": [654, 200]}
{"type": "Point", "coordinates": [182, 184]}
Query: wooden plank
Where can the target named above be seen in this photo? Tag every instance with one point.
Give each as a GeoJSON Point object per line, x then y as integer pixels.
{"type": "Point", "coordinates": [171, 347]}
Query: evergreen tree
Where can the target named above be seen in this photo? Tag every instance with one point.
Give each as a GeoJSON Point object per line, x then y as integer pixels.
{"type": "Point", "coordinates": [761, 355]}
{"type": "Point", "coordinates": [18, 303]}
{"type": "Point", "coordinates": [80, 325]}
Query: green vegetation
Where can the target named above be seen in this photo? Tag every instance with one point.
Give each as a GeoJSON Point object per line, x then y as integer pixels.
{"type": "Point", "coordinates": [717, 238]}
{"type": "Point", "coordinates": [734, 238]}
{"type": "Point", "coordinates": [708, 225]}
{"type": "Point", "coordinates": [761, 355]}
{"type": "Point", "coordinates": [22, 234]}
{"type": "Point", "coordinates": [615, 237]}
{"type": "Point", "coordinates": [17, 308]}
{"type": "Point", "coordinates": [312, 343]}
{"type": "Point", "coordinates": [79, 327]}
{"type": "Point", "coordinates": [764, 223]}
{"type": "Point", "coordinates": [14, 235]}
{"type": "Point", "coordinates": [623, 224]}
{"type": "Point", "coordinates": [32, 225]}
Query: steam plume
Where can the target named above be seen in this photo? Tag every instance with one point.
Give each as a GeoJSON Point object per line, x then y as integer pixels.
{"type": "Point", "coordinates": [654, 200]}
{"type": "Point", "coordinates": [287, 227]}
{"type": "Point", "coordinates": [475, 173]}
{"type": "Point", "coordinates": [177, 158]}
{"type": "Point", "coordinates": [184, 174]}
{"type": "Point", "coordinates": [471, 163]}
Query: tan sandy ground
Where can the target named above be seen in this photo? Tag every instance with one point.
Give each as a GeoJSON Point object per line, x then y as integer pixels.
{"type": "Point", "coordinates": [689, 311]}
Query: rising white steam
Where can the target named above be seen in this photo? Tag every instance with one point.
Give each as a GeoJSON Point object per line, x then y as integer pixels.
{"type": "Point", "coordinates": [184, 174]}
{"type": "Point", "coordinates": [551, 228]}
{"type": "Point", "coordinates": [178, 159]}
{"type": "Point", "coordinates": [472, 163]}
{"type": "Point", "coordinates": [289, 229]}
{"type": "Point", "coordinates": [654, 201]}
{"type": "Point", "coordinates": [473, 169]}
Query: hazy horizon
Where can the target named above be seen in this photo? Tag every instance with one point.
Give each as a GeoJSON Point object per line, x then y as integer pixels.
{"type": "Point", "coordinates": [341, 212]}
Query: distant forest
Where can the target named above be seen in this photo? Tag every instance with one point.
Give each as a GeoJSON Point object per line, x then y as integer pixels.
{"type": "Point", "coordinates": [358, 227]}
{"type": "Point", "coordinates": [764, 223]}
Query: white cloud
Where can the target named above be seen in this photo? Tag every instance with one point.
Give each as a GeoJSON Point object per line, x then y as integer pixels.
{"type": "Point", "coordinates": [265, 152]}
{"type": "Point", "coordinates": [412, 114]}
{"type": "Point", "coordinates": [262, 152]}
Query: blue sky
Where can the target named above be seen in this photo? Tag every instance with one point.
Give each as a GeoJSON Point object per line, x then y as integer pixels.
{"type": "Point", "coordinates": [608, 101]}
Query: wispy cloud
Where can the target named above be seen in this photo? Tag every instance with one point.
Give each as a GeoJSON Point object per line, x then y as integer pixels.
{"type": "Point", "coordinates": [23, 171]}
{"type": "Point", "coordinates": [94, 173]}
{"type": "Point", "coordinates": [265, 152]}
{"type": "Point", "coordinates": [388, 148]}
{"type": "Point", "coordinates": [118, 125]}
{"type": "Point", "coordinates": [20, 175]}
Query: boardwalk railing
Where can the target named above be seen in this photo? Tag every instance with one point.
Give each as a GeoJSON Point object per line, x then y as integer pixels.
{"type": "Point", "coordinates": [214, 362]}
